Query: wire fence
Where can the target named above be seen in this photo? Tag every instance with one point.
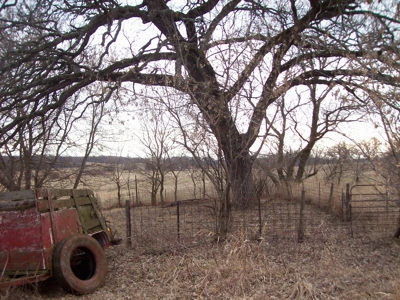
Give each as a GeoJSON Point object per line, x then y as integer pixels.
{"type": "Point", "coordinates": [303, 216]}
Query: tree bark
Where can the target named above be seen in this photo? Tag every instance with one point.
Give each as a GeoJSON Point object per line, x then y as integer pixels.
{"type": "Point", "coordinates": [162, 189]}
{"type": "Point", "coordinates": [242, 189]}
{"type": "Point", "coordinates": [224, 214]}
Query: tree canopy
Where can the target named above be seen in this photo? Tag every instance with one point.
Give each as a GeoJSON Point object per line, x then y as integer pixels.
{"type": "Point", "coordinates": [231, 60]}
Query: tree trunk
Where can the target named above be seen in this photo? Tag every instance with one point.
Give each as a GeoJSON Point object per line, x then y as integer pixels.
{"type": "Point", "coordinates": [303, 159]}
{"type": "Point", "coordinates": [162, 189]}
{"type": "Point", "coordinates": [224, 214]}
{"type": "Point", "coordinates": [154, 188]}
{"type": "Point", "coordinates": [239, 190]}
{"type": "Point", "coordinates": [119, 193]}
{"type": "Point", "coordinates": [27, 170]}
{"type": "Point", "coordinates": [153, 194]}
{"type": "Point", "coordinates": [80, 171]}
{"type": "Point", "coordinates": [242, 184]}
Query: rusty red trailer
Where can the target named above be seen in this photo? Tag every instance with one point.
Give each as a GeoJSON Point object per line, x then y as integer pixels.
{"type": "Point", "coordinates": [53, 232]}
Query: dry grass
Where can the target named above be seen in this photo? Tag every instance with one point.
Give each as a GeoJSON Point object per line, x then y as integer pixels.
{"type": "Point", "coordinates": [326, 266]}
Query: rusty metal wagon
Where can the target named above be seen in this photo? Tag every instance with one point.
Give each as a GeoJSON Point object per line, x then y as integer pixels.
{"type": "Point", "coordinates": [58, 233]}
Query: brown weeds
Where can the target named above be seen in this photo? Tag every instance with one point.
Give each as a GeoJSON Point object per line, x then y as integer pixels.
{"type": "Point", "coordinates": [327, 265]}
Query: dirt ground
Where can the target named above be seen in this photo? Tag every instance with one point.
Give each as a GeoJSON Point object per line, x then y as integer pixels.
{"type": "Point", "coordinates": [326, 266]}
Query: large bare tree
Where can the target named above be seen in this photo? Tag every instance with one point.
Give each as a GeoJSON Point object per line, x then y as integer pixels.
{"type": "Point", "coordinates": [230, 59]}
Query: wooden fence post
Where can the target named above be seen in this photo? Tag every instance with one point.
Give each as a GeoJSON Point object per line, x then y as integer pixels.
{"type": "Point", "coordinates": [128, 223]}
{"type": "Point", "coordinates": [330, 204]}
{"type": "Point", "coordinates": [136, 191]}
{"type": "Point", "coordinates": [177, 221]}
{"type": "Point", "coordinates": [319, 194]}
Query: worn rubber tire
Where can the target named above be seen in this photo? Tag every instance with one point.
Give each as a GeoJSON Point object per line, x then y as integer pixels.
{"type": "Point", "coordinates": [79, 264]}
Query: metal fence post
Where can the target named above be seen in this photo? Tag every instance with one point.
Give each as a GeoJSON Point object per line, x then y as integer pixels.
{"type": "Point", "coordinates": [300, 235]}
{"type": "Point", "coordinates": [128, 223]}
{"type": "Point", "coordinates": [348, 207]}
{"type": "Point", "coordinates": [344, 210]}
{"type": "Point", "coordinates": [259, 218]}
{"type": "Point", "coordinates": [177, 221]}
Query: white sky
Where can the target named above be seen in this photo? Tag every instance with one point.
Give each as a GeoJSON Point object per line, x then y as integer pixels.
{"type": "Point", "coordinates": [126, 144]}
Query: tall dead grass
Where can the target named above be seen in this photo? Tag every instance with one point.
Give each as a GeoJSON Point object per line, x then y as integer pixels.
{"type": "Point", "coordinates": [243, 269]}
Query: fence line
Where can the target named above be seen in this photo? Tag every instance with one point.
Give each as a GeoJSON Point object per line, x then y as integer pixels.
{"type": "Point", "coordinates": [193, 222]}
{"type": "Point", "coordinates": [318, 192]}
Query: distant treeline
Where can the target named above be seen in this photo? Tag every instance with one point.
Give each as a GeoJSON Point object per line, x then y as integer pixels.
{"type": "Point", "coordinates": [129, 163]}
{"type": "Point", "coordinates": [181, 162]}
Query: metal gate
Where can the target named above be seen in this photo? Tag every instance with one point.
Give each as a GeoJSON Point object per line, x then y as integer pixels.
{"type": "Point", "coordinates": [369, 210]}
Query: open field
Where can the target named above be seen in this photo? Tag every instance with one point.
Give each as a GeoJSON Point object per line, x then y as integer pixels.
{"type": "Point", "coordinates": [190, 185]}
{"type": "Point", "coordinates": [136, 183]}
